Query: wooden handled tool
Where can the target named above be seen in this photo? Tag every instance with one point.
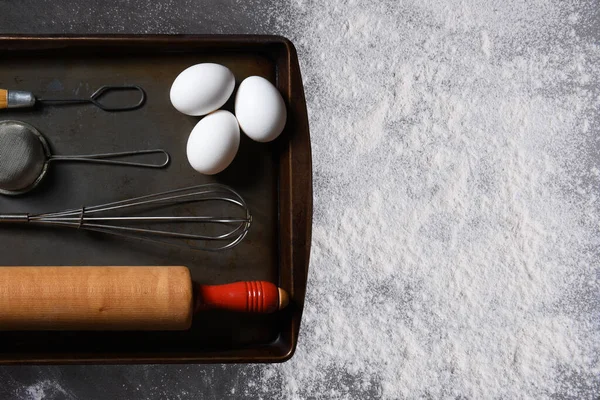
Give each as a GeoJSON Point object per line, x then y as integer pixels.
{"type": "Point", "coordinates": [120, 298]}
{"type": "Point", "coordinates": [23, 99]}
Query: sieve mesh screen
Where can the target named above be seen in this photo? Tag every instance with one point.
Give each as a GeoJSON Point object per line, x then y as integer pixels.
{"type": "Point", "coordinates": [22, 156]}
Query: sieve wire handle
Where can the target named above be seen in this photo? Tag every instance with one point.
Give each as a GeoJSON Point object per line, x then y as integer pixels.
{"type": "Point", "coordinates": [107, 158]}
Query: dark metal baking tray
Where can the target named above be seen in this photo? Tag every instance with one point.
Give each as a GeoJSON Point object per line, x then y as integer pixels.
{"type": "Point", "coordinates": [274, 178]}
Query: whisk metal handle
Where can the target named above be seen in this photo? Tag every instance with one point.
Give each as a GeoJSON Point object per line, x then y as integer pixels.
{"type": "Point", "coordinates": [107, 158]}
{"type": "Point", "coordinates": [15, 218]}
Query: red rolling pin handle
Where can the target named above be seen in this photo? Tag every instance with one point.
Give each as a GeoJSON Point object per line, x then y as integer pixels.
{"type": "Point", "coordinates": [246, 296]}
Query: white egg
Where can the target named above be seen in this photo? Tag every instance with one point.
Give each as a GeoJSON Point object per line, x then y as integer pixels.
{"type": "Point", "coordinates": [260, 109]}
{"type": "Point", "coordinates": [214, 142]}
{"type": "Point", "coordinates": [202, 89]}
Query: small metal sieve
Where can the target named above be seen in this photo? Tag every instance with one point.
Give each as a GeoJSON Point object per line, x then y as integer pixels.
{"type": "Point", "coordinates": [25, 155]}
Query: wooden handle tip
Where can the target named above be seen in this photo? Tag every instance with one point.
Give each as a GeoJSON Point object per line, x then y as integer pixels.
{"type": "Point", "coordinates": [3, 98]}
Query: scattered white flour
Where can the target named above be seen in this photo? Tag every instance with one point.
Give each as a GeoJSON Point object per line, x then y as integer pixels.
{"type": "Point", "coordinates": [456, 178]}
{"type": "Point", "coordinates": [45, 389]}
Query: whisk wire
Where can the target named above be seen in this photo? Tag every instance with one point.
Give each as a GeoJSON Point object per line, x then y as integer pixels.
{"type": "Point", "coordinates": [92, 218]}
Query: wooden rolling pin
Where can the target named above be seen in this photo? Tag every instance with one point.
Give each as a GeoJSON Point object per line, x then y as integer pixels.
{"type": "Point", "coordinates": [120, 298]}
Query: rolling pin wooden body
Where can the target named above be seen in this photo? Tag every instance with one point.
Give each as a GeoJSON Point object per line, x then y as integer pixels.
{"type": "Point", "coordinates": [120, 298]}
